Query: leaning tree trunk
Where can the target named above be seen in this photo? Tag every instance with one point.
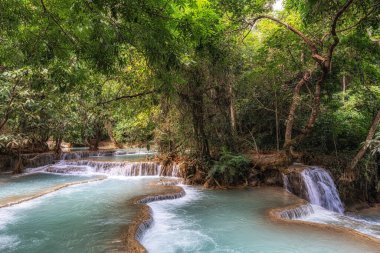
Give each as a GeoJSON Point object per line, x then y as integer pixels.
{"type": "Point", "coordinates": [368, 140]}
{"type": "Point", "coordinates": [323, 60]}
{"type": "Point", "coordinates": [292, 110]}
{"type": "Point", "coordinates": [370, 135]}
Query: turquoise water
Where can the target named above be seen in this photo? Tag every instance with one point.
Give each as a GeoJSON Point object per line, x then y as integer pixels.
{"type": "Point", "coordinates": [125, 155]}
{"type": "Point", "coordinates": [91, 217]}
{"type": "Point", "coordinates": [236, 221]}
{"type": "Point", "coordinates": [370, 214]}
{"type": "Point", "coordinates": [12, 187]}
{"type": "Point", "coordinates": [83, 218]}
{"type": "Point", "coordinates": [366, 223]}
{"type": "Point", "coordinates": [123, 158]}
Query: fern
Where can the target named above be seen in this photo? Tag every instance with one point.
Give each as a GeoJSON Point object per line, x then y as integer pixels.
{"type": "Point", "coordinates": [230, 169]}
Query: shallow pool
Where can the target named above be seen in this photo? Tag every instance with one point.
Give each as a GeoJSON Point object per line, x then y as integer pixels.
{"type": "Point", "coordinates": [13, 188]}
{"type": "Point", "coordinates": [236, 221]}
{"type": "Point", "coordinates": [84, 218]}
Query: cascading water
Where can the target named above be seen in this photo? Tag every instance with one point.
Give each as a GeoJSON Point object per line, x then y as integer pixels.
{"type": "Point", "coordinates": [298, 212]}
{"type": "Point", "coordinates": [285, 180]}
{"type": "Point", "coordinates": [113, 168]}
{"type": "Point", "coordinates": [321, 189]}
{"type": "Point", "coordinates": [317, 186]}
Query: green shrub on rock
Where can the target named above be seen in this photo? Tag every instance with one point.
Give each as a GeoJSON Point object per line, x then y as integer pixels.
{"type": "Point", "coordinates": [230, 169]}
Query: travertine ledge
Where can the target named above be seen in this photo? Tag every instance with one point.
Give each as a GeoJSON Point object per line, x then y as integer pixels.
{"type": "Point", "coordinates": [144, 219]}
{"type": "Point", "coordinates": [277, 215]}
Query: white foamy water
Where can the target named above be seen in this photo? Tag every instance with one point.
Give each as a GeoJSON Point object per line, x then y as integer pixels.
{"type": "Point", "coordinates": [125, 169]}
{"type": "Point", "coordinates": [321, 189]}
{"type": "Point", "coordinates": [234, 221]}
{"type": "Point", "coordinates": [323, 216]}
{"type": "Point", "coordinates": [180, 234]}
{"type": "Point", "coordinates": [326, 206]}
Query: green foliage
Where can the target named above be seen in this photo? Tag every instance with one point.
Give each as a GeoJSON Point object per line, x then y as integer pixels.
{"type": "Point", "coordinates": [190, 75]}
{"type": "Point", "coordinates": [230, 169]}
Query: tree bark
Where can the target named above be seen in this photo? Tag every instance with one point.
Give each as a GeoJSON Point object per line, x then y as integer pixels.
{"type": "Point", "coordinates": [57, 146]}
{"type": "Point", "coordinates": [108, 127]}
{"type": "Point", "coordinates": [8, 110]}
{"type": "Point", "coordinates": [94, 142]}
{"type": "Point", "coordinates": [232, 108]}
{"type": "Point", "coordinates": [324, 61]}
{"type": "Point", "coordinates": [277, 122]}
{"type": "Point", "coordinates": [364, 148]}
{"type": "Point", "coordinates": [194, 99]}
{"type": "Point", "coordinates": [202, 145]}
{"type": "Point", "coordinates": [293, 108]}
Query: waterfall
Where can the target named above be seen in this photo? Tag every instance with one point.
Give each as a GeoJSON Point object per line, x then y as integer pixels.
{"type": "Point", "coordinates": [285, 179]}
{"type": "Point", "coordinates": [298, 212]}
{"type": "Point", "coordinates": [113, 168]}
{"type": "Point", "coordinates": [72, 155]}
{"type": "Point", "coordinates": [175, 170]}
{"type": "Point", "coordinates": [321, 189]}
{"type": "Point", "coordinates": [315, 185]}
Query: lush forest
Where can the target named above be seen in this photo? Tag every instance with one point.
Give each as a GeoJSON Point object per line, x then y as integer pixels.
{"type": "Point", "coordinates": [223, 84]}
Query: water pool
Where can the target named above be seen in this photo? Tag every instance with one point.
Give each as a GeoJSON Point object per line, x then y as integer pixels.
{"type": "Point", "coordinates": [236, 221]}
{"type": "Point", "coordinates": [14, 188]}
{"type": "Point", "coordinates": [83, 218]}
{"type": "Point", "coordinates": [93, 217]}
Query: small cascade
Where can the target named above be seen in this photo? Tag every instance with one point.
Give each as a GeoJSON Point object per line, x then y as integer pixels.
{"type": "Point", "coordinates": [113, 168]}
{"type": "Point", "coordinates": [120, 152]}
{"type": "Point", "coordinates": [102, 153]}
{"type": "Point", "coordinates": [175, 170]}
{"type": "Point", "coordinates": [73, 155]}
{"type": "Point", "coordinates": [285, 180]}
{"type": "Point", "coordinates": [298, 212]}
{"type": "Point", "coordinates": [315, 185]}
{"type": "Point", "coordinates": [321, 189]}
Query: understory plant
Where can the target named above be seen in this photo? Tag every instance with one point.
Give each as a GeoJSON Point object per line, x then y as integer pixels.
{"type": "Point", "coordinates": [230, 169]}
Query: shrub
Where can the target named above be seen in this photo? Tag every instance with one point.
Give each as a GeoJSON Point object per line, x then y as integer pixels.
{"type": "Point", "coordinates": [230, 169]}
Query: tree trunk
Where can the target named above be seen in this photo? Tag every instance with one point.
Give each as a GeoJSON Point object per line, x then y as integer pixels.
{"type": "Point", "coordinates": [344, 85]}
{"type": "Point", "coordinates": [293, 108]}
{"type": "Point", "coordinates": [232, 108]}
{"type": "Point", "coordinates": [57, 146]}
{"type": "Point", "coordinates": [202, 146]}
{"type": "Point", "coordinates": [108, 127]}
{"type": "Point", "coordinates": [19, 166]}
{"type": "Point", "coordinates": [324, 63]}
{"type": "Point", "coordinates": [277, 123]}
{"type": "Point", "coordinates": [94, 143]}
{"type": "Point", "coordinates": [364, 148]}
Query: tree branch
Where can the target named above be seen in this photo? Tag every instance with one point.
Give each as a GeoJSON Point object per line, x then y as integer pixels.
{"type": "Point", "coordinates": [333, 32]}
{"type": "Point", "coordinates": [57, 23]}
{"type": "Point", "coordinates": [312, 46]}
{"type": "Point", "coordinates": [8, 111]}
{"type": "Point", "coordinates": [365, 146]}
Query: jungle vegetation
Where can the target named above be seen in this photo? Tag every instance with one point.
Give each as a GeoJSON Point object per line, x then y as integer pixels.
{"type": "Point", "coordinates": [205, 79]}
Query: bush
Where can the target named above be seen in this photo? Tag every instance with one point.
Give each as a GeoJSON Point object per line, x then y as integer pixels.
{"type": "Point", "coordinates": [230, 169]}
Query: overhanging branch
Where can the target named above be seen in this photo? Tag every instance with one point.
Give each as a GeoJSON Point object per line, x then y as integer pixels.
{"type": "Point", "coordinates": [312, 46]}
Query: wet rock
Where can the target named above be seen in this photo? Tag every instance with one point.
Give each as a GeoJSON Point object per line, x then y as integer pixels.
{"type": "Point", "coordinates": [272, 177]}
